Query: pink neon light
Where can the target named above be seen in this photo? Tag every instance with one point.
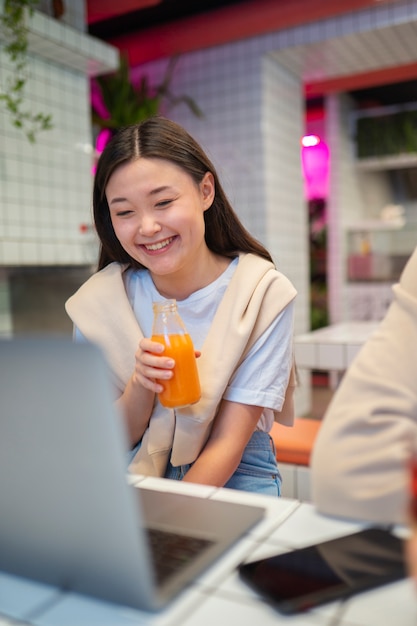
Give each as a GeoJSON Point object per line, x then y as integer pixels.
{"type": "Point", "coordinates": [103, 138]}
{"type": "Point", "coordinates": [315, 159]}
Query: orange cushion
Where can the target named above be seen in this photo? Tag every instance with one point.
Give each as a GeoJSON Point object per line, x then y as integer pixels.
{"type": "Point", "coordinates": [294, 444]}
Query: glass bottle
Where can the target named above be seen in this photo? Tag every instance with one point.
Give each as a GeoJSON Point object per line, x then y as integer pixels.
{"type": "Point", "coordinates": [169, 329]}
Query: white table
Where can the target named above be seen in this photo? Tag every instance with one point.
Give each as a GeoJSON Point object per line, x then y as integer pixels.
{"type": "Point", "coordinates": [219, 596]}
{"type": "Point", "coordinates": [332, 347]}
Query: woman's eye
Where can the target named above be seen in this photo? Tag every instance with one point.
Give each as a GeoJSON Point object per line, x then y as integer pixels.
{"type": "Point", "coordinates": [163, 203]}
{"type": "Point", "coordinates": [123, 213]}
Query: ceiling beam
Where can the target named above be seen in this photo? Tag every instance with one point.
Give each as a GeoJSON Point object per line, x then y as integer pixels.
{"type": "Point", "coordinates": [98, 10]}
{"type": "Point", "coordinates": [385, 76]}
{"type": "Point", "coordinates": [230, 23]}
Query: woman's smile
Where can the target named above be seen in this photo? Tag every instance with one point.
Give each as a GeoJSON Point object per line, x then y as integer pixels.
{"type": "Point", "coordinates": [159, 246]}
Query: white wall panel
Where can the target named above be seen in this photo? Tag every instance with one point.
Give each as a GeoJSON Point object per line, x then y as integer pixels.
{"type": "Point", "coordinates": [45, 186]}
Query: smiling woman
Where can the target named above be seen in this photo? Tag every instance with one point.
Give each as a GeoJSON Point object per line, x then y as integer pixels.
{"type": "Point", "coordinates": [167, 230]}
{"type": "Point", "coordinates": [156, 208]}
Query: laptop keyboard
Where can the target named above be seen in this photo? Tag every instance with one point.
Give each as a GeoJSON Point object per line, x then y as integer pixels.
{"type": "Point", "coordinates": [171, 551]}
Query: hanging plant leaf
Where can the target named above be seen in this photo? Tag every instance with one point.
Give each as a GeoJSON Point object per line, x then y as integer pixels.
{"type": "Point", "coordinates": [13, 26]}
{"type": "Point", "coordinates": [128, 104]}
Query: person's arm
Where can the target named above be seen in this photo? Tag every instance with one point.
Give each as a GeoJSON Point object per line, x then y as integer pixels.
{"type": "Point", "coordinates": [137, 401]}
{"type": "Point", "coordinates": [359, 460]}
{"type": "Point", "coordinates": [232, 429]}
{"type": "Point", "coordinates": [259, 382]}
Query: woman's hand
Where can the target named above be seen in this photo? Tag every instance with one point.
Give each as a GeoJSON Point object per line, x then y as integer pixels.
{"type": "Point", "coordinates": [138, 398]}
{"type": "Point", "coordinates": [151, 364]}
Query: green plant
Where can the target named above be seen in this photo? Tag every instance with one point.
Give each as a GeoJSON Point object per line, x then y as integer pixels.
{"type": "Point", "coordinates": [383, 135]}
{"type": "Point", "coordinates": [126, 103]}
{"type": "Point", "coordinates": [14, 31]}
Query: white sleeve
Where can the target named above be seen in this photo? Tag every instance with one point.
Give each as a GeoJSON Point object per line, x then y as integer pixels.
{"type": "Point", "coordinates": [262, 378]}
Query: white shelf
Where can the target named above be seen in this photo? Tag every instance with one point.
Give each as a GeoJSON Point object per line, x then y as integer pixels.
{"type": "Point", "coordinates": [57, 42]}
{"type": "Point", "coordinates": [391, 162]}
{"type": "Point", "coordinates": [375, 225]}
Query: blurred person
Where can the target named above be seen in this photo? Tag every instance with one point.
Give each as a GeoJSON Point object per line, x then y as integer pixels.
{"type": "Point", "coordinates": [411, 553]}
{"type": "Point", "coordinates": [360, 460]}
{"type": "Point", "coordinates": [168, 231]}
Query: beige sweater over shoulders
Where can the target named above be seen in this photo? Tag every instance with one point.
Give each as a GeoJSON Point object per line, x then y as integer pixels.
{"type": "Point", "coordinates": [256, 294]}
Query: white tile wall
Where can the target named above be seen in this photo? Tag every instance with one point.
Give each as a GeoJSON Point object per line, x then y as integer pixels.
{"type": "Point", "coordinates": [74, 13]}
{"type": "Point", "coordinates": [45, 187]}
{"type": "Point", "coordinates": [344, 202]}
{"type": "Point", "coordinates": [285, 208]}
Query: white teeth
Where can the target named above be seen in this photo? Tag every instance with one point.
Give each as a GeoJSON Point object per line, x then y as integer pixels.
{"type": "Point", "coordinates": [159, 246]}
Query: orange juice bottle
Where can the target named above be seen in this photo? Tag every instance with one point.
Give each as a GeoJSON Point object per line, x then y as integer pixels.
{"type": "Point", "coordinates": [168, 328]}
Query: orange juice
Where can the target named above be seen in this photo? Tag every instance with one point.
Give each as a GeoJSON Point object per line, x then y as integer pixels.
{"type": "Point", "coordinates": [184, 387]}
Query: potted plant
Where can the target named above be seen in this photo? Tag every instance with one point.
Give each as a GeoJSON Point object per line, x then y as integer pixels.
{"type": "Point", "coordinates": [392, 133]}
{"type": "Point", "coordinates": [117, 102]}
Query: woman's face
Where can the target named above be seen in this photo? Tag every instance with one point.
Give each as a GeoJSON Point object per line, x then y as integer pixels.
{"type": "Point", "coordinates": [157, 212]}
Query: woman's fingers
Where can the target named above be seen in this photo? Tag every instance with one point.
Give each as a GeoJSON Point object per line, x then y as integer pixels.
{"type": "Point", "coordinates": [152, 365]}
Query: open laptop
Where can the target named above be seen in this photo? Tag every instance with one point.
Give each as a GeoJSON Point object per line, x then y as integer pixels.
{"type": "Point", "coordinates": [68, 516]}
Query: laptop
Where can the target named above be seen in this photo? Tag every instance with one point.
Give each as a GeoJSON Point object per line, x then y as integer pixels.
{"type": "Point", "coordinates": [68, 515]}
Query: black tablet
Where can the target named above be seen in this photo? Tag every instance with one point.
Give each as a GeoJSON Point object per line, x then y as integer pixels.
{"type": "Point", "coordinates": [304, 578]}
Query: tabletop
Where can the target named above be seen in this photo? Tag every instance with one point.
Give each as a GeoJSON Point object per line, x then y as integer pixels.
{"type": "Point", "coordinates": [333, 347]}
{"type": "Point", "coordinates": [219, 596]}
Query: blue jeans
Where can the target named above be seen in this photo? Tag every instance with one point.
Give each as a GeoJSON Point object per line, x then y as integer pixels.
{"type": "Point", "coordinates": [257, 471]}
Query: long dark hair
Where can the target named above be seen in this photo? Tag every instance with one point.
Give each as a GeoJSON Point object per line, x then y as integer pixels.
{"type": "Point", "coordinates": [160, 138]}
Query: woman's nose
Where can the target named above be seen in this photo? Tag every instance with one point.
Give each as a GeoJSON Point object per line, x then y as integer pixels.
{"type": "Point", "coordinates": [148, 227]}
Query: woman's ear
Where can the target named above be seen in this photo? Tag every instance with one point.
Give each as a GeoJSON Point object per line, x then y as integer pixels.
{"type": "Point", "coordinates": [208, 190]}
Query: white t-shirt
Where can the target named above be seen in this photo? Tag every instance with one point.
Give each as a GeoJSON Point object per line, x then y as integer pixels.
{"type": "Point", "coordinates": [261, 379]}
